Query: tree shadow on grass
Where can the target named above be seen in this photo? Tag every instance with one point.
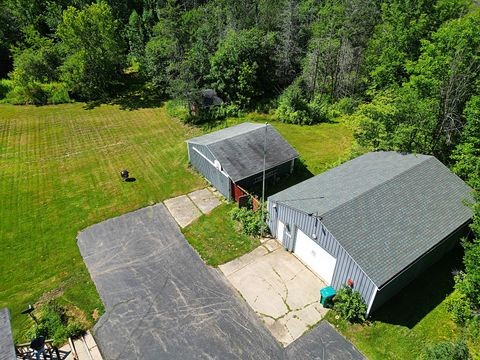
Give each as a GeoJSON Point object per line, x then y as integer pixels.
{"type": "Point", "coordinates": [300, 173]}
{"type": "Point", "coordinates": [92, 104]}
{"type": "Point", "coordinates": [133, 94]}
{"type": "Point", "coordinates": [422, 295]}
{"type": "Point", "coordinates": [138, 99]}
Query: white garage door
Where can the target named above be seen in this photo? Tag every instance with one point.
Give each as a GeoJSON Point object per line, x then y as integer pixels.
{"type": "Point", "coordinates": [314, 256]}
{"type": "Point", "coordinates": [280, 230]}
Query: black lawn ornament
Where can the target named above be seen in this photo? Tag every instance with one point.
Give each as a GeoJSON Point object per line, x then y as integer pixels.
{"type": "Point", "coordinates": [124, 174]}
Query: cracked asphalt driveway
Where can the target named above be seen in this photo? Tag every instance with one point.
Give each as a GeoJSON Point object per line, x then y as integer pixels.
{"type": "Point", "coordinates": [162, 302]}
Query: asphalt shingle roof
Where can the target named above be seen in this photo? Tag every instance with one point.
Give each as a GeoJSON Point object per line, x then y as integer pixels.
{"type": "Point", "coordinates": [7, 347]}
{"type": "Point", "coordinates": [385, 208]}
{"type": "Point", "coordinates": [239, 149]}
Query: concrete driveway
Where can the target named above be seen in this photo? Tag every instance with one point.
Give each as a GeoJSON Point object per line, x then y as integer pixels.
{"type": "Point", "coordinates": [283, 292]}
{"type": "Point", "coordinates": [162, 302]}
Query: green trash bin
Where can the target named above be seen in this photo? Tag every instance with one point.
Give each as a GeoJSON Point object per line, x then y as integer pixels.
{"type": "Point", "coordinates": [326, 296]}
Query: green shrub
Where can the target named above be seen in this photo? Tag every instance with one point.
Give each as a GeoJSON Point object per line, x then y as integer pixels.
{"type": "Point", "coordinates": [6, 85]}
{"type": "Point", "coordinates": [473, 327]}
{"type": "Point", "coordinates": [57, 93]}
{"type": "Point", "coordinates": [29, 94]}
{"type": "Point", "coordinates": [294, 108]}
{"type": "Point", "coordinates": [349, 304]}
{"type": "Point", "coordinates": [447, 350]}
{"type": "Point", "coordinates": [459, 306]}
{"type": "Point", "coordinates": [250, 220]}
{"type": "Point", "coordinates": [224, 111]}
{"type": "Point", "coordinates": [74, 330]}
{"type": "Point", "coordinates": [266, 105]}
{"type": "Point", "coordinates": [36, 93]}
{"type": "Point", "coordinates": [319, 109]}
{"type": "Point", "coordinates": [53, 323]}
{"type": "Point", "coordinates": [179, 110]}
{"type": "Point", "coordinates": [344, 106]}
{"type": "Point", "coordinates": [470, 281]}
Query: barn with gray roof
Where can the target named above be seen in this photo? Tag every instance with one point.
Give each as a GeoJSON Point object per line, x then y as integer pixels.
{"type": "Point", "coordinates": [233, 157]}
{"type": "Point", "coordinates": [378, 220]}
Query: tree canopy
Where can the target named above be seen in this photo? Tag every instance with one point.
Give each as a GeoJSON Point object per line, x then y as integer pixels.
{"type": "Point", "coordinates": [402, 70]}
{"type": "Point", "coordinates": [92, 50]}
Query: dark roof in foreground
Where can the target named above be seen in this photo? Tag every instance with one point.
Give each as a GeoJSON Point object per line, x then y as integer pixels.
{"type": "Point", "coordinates": [239, 149]}
{"type": "Point", "coordinates": [385, 208]}
{"type": "Point", "coordinates": [7, 347]}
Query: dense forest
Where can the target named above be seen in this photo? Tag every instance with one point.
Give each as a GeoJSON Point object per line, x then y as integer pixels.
{"type": "Point", "coordinates": [404, 70]}
{"type": "Point", "coordinates": [405, 73]}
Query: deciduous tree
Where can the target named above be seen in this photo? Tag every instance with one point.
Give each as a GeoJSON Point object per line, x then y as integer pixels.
{"type": "Point", "coordinates": [242, 69]}
{"type": "Point", "coordinates": [93, 50]}
{"type": "Point", "coordinates": [135, 36]}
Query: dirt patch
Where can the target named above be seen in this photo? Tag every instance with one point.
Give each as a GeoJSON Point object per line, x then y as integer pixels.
{"type": "Point", "coordinates": [96, 314]}
{"type": "Point", "coordinates": [51, 295]}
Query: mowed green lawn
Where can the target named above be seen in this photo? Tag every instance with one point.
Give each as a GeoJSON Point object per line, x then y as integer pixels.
{"type": "Point", "coordinates": [59, 171]}
{"type": "Point", "coordinates": [319, 145]}
{"type": "Point", "coordinates": [59, 168]}
{"type": "Point", "coordinates": [217, 238]}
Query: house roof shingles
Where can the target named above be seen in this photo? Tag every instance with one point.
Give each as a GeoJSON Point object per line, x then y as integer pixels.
{"type": "Point", "coordinates": [7, 347]}
{"type": "Point", "coordinates": [385, 208]}
{"type": "Point", "coordinates": [239, 149]}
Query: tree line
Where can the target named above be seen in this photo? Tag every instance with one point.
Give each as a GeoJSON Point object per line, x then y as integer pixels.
{"type": "Point", "coordinates": [308, 59]}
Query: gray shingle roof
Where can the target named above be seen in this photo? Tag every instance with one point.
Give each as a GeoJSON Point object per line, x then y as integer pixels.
{"type": "Point", "coordinates": [385, 208]}
{"type": "Point", "coordinates": [226, 133]}
{"type": "Point", "coordinates": [239, 149]}
{"type": "Point", "coordinates": [7, 347]}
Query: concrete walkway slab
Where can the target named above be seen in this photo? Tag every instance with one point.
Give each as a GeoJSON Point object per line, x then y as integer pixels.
{"type": "Point", "coordinates": [272, 245]}
{"type": "Point", "coordinates": [205, 200]}
{"type": "Point", "coordinates": [183, 210]}
{"type": "Point", "coordinates": [280, 288]}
